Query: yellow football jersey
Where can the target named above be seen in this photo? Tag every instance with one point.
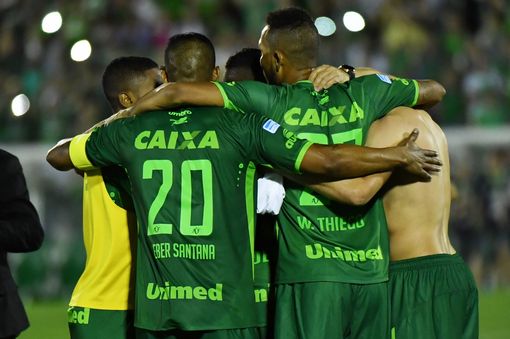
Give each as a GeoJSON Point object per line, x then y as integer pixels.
{"type": "Point", "coordinates": [109, 235]}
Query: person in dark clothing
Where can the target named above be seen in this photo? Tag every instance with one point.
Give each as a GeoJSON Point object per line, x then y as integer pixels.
{"type": "Point", "coordinates": [20, 231]}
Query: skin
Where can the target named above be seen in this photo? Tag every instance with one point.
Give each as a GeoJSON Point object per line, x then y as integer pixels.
{"type": "Point", "coordinates": [278, 69]}
{"type": "Point", "coordinates": [58, 155]}
{"type": "Point", "coordinates": [152, 79]}
{"type": "Point", "coordinates": [413, 232]}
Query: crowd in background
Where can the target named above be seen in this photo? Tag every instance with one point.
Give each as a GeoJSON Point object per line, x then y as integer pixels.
{"type": "Point", "coordinates": [465, 45]}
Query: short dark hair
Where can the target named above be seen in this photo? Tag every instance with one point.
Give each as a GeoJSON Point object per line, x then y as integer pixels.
{"type": "Point", "coordinates": [293, 31]}
{"type": "Point", "coordinates": [122, 74]}
{"type": "Point", "coordinates": [189, 57]}
{"type": "Point", "coordinates": [247, 59]}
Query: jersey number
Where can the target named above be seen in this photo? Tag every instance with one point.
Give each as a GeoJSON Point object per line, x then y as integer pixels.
{"type": "Point", "coordinates": [204, 167]}
{"type": "Point", "coordinates": [308, 197]}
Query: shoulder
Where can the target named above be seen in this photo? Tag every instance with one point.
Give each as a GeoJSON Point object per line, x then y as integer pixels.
{"type": "Point", "coordinates": [6, 156]}
{"type": "Point", "coordinates": [398, 123]}
{"type": "Point", "coordinates": [10, 163]}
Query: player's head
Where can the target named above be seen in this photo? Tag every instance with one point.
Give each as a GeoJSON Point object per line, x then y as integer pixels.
{"type": "Point", "coordinates": [190, 57]}
{"type": "Point", "coordinates": [126, 79]}
{"type": "Point", "coordinates": [244, 65]}
{"type": "Point", "coordinates": [289, 40]}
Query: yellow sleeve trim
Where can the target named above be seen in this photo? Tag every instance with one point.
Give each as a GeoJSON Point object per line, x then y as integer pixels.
{"type": "Point", "coordinates": [78, 154]}
{"type": "Point", "coordinates": [301, 155]}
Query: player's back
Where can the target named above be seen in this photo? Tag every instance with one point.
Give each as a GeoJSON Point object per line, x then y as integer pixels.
{"type": "Point", "coordinates": [192, 174]}
{"type": "Point", "coordinates": [320, 240]}
{"type": "Point", "coordinates": [418, 212]}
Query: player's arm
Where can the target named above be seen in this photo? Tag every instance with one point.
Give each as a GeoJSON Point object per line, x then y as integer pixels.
{"type": "Point", "coordinates": [58, 156]}
{"type": "Point", "coordinates": [87, 151]}
{"type": "Point", "coordinates": [359, 191]}
{"type": "Point", "coordinates": [176, 94]}
{"type": "Point", "coordinates": [430, 92]}
{"type": "Point", "coordinates": [269, 143]}
{"type": "Point", "coordinates": [243, 96]}
{"type": "Point", "coordinates": [343, 161]}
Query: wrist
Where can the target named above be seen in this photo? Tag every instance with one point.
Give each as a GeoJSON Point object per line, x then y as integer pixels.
{"type": "Point", "coordinates": [351, 71]}
{"type": "Point", "coordinates": [397, 155]}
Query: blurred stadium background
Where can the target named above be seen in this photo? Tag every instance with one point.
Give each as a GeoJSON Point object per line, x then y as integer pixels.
{"type": "Point", "coordinates": [51, 67]}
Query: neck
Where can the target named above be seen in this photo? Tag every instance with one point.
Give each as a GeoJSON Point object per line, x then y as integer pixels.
{"type": "Point", "coordinates": [296, 75]}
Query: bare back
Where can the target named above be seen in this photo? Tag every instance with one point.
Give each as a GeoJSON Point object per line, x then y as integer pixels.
{"type": "Point", "coordinates": [418, 212]}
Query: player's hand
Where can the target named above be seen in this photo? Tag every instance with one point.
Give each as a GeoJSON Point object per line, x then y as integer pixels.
{"type": "Point", "coordinates": [326, 76]}
{"type": "Point", "coordinates": [420, 162]}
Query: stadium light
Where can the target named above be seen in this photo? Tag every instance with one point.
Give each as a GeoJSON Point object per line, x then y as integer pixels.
{"type": "Point", "coordinates": [51, 22]}
{"type": "Point", "coordinates": [326, 26]}
{"type": "Point", "coordinates": [81, 51]}
{"type": "Point", "coordinates": [20, 105]}
{"type": "Point", "coordinates": [353, 21]}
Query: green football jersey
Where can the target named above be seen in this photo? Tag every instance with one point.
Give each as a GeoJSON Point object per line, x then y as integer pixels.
{"type": "Point", "coordinates": [320, 240]}
{"type": "Point", "coordinates": [192, 173]}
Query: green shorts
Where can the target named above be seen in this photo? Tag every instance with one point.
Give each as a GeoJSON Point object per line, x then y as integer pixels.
{"type": "Point", "coordinates": [236, 333]}
{"type": "Point", "coordinates": [86, 323]}
{"type": "Point", "coordinates": [433, 296]}
{"type": "Point", "coordinates": [332, 310]}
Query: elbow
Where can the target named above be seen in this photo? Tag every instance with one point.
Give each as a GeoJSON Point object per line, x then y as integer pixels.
{"type": "Point", "coordinates": [359, 197]}
{"type": "Point", "coordinates": [436, 93]}
{"type": "Point", "coordinates": [56, 159]}
{"type": "Point", "coordinates": [37, 239]}
{"type": "Point", "coordinates": [439, 92]}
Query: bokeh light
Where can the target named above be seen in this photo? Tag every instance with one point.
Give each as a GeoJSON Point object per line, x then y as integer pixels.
{"type": "Point", "coordinates": [353, 21]}
{"type": "Point", "coordinates": [51, 22]}
{"type": "Point", "coordinates": [20, 105]}
{"type": "Point", "coordinates": [326, 26]}
{"type": "Point", "coordinates": [81, 51]}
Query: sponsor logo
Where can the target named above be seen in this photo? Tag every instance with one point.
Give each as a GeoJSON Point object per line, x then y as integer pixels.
{"type": "Point", "coordinates": [179, 121]}
{"type": "Point", "coordinates": [261, 294]}
{"type": "Point", "coordinates": [78, 317]}
{"type": "Point", "coordinates": [384, 78]}
{"type": "Point", "coordinates": [271, 126]}
{"type": "Point", "coordinates": [317, 251]}
{"type": "Point", "coordinates": [161, 139]}
{"type": "Point", "coordinates": [340, 115]}
{"type": "Point", "coordinates": [172, 292]}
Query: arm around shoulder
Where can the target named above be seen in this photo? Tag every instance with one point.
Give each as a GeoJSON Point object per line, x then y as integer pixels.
{"type": "Point", "coordinates": [58, 156]}
{"type": "Point", "coordinates": [431, 92]}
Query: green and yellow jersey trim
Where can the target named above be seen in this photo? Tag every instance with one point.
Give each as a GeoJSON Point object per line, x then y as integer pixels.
{"type": "Point", "coordinates": [301, 155]}
{"type": "Point", "coordinates": [78, 154]}
{"type": "Point", "coordinates": [226, 101]}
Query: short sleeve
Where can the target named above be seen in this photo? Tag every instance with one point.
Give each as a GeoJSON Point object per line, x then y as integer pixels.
{"type": "Point", "coordinates": [274, 145]}
{"type": "Point", "coordinates": [249, 96]}
{"type": "Point", "coordinates": [98, 149]}
{"type": "Point", "coordinates": [385, 93]}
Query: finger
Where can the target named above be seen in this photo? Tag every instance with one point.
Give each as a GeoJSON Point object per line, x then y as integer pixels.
{"type": "Point", "coordinates": [331, 79]}
{"type": "Point", "coordinates": [430, 153]}
{"type": "Point", "coordinates": [424, 175]}
{"type": "Point", "coordinates": [414, 134]}
{"type": "Point", "coordinates": [434, 161]}
{"type": "Point", "coordinates": [321, 75]}
{"type": "Point", "coordinates": [432, 168]}
{"type": "Point", "coordinates": [315, 73]}
{"type": "Point", "coordinates": [326, 81]}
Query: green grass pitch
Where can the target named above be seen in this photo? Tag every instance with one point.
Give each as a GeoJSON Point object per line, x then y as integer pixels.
{"type": "Point", "coordinates": [49, 319]}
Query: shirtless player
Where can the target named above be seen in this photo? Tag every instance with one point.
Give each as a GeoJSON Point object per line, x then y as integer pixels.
{"type": "Point", "coordinates": [432, 291]}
